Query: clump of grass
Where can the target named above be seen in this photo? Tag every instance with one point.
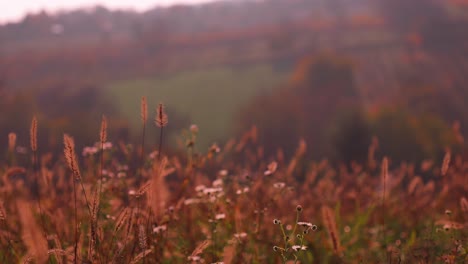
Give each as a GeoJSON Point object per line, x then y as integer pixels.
{"type": "Point", "coordinates": [161, 121]}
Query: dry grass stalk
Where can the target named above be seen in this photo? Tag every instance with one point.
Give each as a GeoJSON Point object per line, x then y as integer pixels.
{"type": "Point", "coordinates": [103, 133]}
{"type": "Point", "coordinates": [33, 134]}
{"type": "Point", "coordinates": [93, 222]}
{"type": "Point", "coordinates": [161, 116]}
{"type": "Point", "coordinates": [371, 153]}
{"type": "Point", "coordinates": [58, 254]}
{"type": "Point", "coordinates": [384, 171]}
{"type": "Point", "coordinates": [415, 182]}
{"type": "Point", "coordinates": [141, 256]}
{"type": "Point", "coordinates": [142, 237]}
{"type": "Point", "coordinates": [70, 156]}
{"type": "Point", "coordinates": [95, 209]}
{"type": "Point", "coordinates": [328, 218]}
{"type": "Point", "coordinates": [464, 205]}
{"type": "Point", "coordinates": [200, 248]}
{"type": "Point", "coordinates": [72, 163]}
{"type": "Point", "coordinates": [384, 179]}
{"type": "Point", "coordinates": [27, 259]}
{"type": "Point", "coordinates": [144, 110]}
{"type": "Point", "coordinates": [13, 171]}
{"type": "Point", "coordinates": [58, 250]}
{"type": "Point", "coordinates": [11, 142]}
{"type": "Point", "coordinates": [158, 195]}
{"type": "Point", "coordinates": [144, 118]}
{"type": "Point", "coordinates": [229, 252]}
{"type": "Point", "coordinates": [161, 121]}
{"type": "Point", "coordinates": [121, 219]}
{"type": "Point", "coordinates": [143, 189]}
{"type": "Point", "coordinates": [31, 234]}
{"type": "Point", "coordinates": [2, 212]}
{"type": "Point", "coordinates": [445, 163]}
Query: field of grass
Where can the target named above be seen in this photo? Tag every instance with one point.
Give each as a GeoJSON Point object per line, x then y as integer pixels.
{"type": "Point", "coordinates": [227, 205]}
{"type": "Point", "coordinates": [210, 97]}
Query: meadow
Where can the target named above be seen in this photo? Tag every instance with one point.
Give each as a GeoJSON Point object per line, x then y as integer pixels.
{"type": "Point", "coordinates": [193, 95]}
{"type": "Point", "coordinates": [122, 202]}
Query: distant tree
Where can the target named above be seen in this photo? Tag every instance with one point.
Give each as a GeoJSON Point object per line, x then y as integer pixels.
{"type": "Point", "coordinates": [408, 137]}
{"type": "Point", "coordinates": [351, 137]}
{"type": "Point", "coordinates": [321, 87]}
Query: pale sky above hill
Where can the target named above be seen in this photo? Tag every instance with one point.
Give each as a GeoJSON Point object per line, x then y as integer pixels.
{"type": "Point", "coordinates": [14, 10]}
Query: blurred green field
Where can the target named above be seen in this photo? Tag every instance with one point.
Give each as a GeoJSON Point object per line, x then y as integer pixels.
{"type": "Point", "coordinates": [209, 97]}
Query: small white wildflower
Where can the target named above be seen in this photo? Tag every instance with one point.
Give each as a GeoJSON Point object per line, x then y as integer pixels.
{"type": "Point", "coordinates": [215, 148]}
{"type": "Point", "coordinates": [244, 190]}
{"type": "Point", "coordinates": [298, 247]}
{"type": "Point", "coordinates": [305, 224]}
{"type": "Point", "coordinates": [192, 201]}
{"type": "Point", "coordinates": [214, 196]}
{"type": "Point", "coordinates": [200, 188]}
{"type": "Point", "coordinates": [223, 173]}
{"type": "Point", "coordinates": [347, 229]}
{"type": "Point", "coordinates": [107, 145]}
{"type": "Point", "coordinates": [220, 216]}
{"type": "Point", "coordinates": [194, 129]}
{"type": "Point", "coordinates": [212, 190]}
{"type": "Point", "coordinates": [240, 235]}
{"type": "Point", "coordinates": [132, 192]}
{"type": "Point", "coordinates": [159, 229]}
{"type": "Point", "coordinates": [279, 185]}
{"type": "Point", "coordinates": [218, 183]}
{"type": "Point", "coordinates": [194, 258]}
{"type": "Point", "coordinates": [153, 154]}
{"type": "Point", "coordinates": [89, 151]}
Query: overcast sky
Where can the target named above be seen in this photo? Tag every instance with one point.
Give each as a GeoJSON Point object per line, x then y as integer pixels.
{"type": "Point", "coordinates": [13, 10]}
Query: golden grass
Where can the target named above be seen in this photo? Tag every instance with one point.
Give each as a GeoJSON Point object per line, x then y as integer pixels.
{"type": "Point", "coordinates": [219, 205]}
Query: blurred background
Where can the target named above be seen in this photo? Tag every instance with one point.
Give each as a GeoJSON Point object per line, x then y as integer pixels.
{"type": "Point", "coordinates": [347, 76]}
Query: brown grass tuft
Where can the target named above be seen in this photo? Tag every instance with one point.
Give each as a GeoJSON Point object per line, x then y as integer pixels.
{"type": "Point", "coordinates": [328, 218]}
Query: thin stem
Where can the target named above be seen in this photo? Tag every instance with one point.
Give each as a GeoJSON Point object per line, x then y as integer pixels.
{"type": "Point", "coordinates": [142, 153]}
{"type": "Point", "coordinates": [160, 143]}
{"type": "Point", "coordinates": [76, 223]}
{"type": "Point", "coordinates": [86, 198]}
